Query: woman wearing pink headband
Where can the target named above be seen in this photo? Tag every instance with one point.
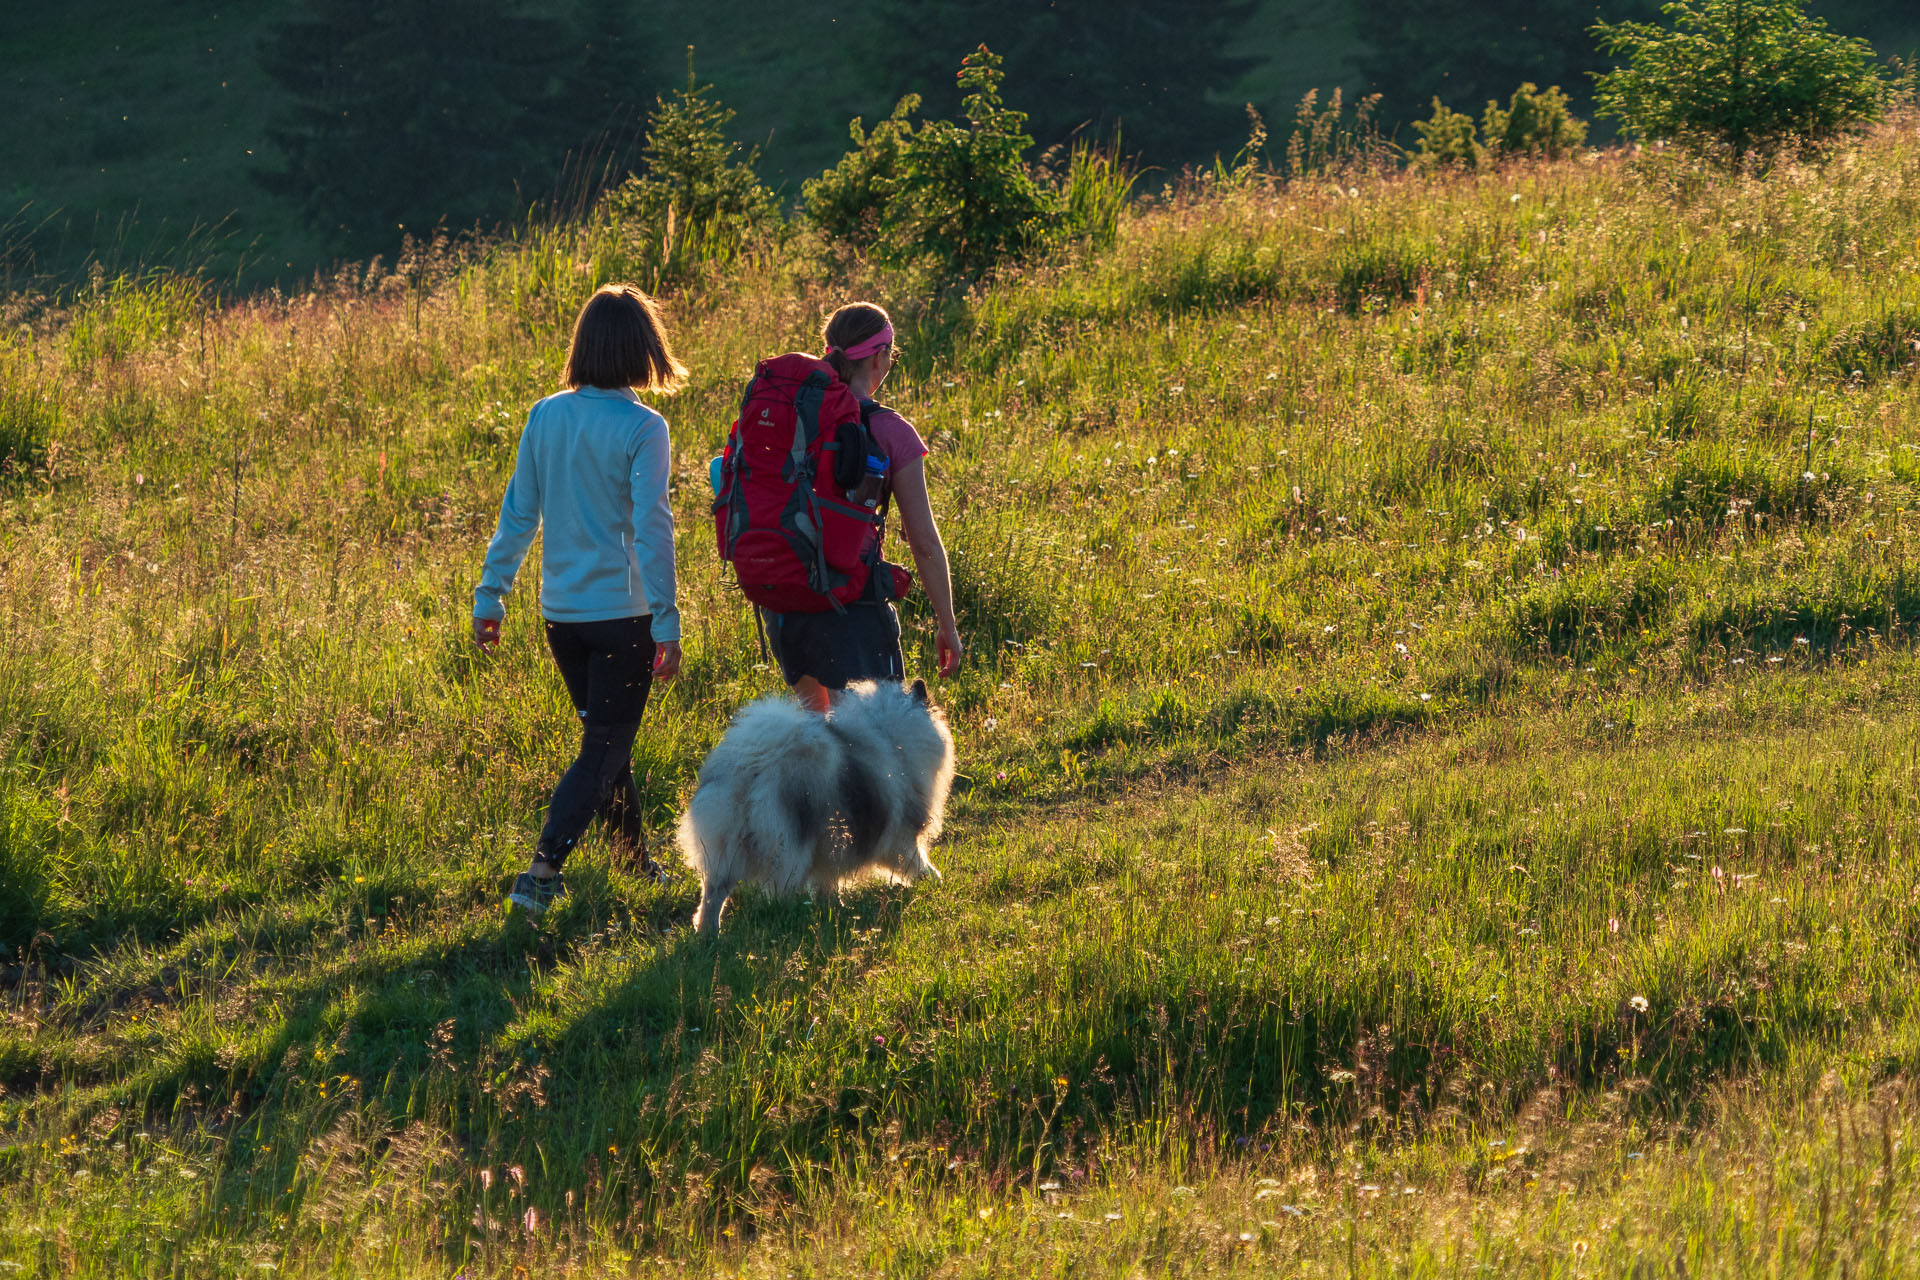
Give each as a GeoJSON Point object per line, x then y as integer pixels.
{"type": "Point", "coordinates": [821, 652]}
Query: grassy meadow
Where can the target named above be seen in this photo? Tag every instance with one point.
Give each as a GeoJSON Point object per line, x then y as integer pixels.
{"type": "Point", "coordinates": [1442, 793]}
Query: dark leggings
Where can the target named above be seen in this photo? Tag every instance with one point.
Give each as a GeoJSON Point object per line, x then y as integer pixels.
{"type": "Point", "coordinates": [608, 667]}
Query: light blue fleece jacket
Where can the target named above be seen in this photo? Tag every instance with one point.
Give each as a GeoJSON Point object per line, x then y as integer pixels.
{"type": "Point", "coordinates": [592, 468]}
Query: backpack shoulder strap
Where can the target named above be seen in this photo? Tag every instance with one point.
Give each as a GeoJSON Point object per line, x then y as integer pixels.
{"type": "Point", "coordinates": [867, 409]}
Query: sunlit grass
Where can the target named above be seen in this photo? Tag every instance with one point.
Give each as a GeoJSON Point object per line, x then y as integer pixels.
{"type": "Point", "coordinates": [1439, 677]}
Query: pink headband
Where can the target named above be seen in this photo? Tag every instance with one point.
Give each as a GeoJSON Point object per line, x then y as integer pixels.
{"type": "Point", "coordinates": [861, 350]}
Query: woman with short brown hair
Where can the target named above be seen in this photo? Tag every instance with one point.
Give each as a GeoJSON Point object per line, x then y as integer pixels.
{"type": "Point", "coordinates": [592, 469]}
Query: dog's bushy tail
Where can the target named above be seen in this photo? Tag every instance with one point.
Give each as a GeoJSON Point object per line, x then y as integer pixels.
{"type": "Point", "coordinates": [687, 837]}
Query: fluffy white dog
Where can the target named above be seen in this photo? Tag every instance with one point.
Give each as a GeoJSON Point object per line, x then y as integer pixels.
{"type": "Point", "coordinates": [794, 800]}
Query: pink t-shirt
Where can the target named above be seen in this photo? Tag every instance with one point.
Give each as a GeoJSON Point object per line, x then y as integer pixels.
{"type": "Point", "coordinates": [896, 438]}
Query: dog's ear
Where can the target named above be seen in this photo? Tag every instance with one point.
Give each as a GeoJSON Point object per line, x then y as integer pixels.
{"type": "Point", "coordinates": [919, 692]}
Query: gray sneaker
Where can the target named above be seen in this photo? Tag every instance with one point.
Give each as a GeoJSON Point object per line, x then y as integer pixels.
{"type": "Point", "coordinates": [534, 894]}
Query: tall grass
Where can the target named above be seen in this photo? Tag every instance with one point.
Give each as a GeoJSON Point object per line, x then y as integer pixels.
{"type": "Point", "coordinates": [1438, 686]}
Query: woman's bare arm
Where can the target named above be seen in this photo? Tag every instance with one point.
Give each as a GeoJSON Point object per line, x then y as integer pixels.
{"type": "Point", "coordinates": [929, 556]}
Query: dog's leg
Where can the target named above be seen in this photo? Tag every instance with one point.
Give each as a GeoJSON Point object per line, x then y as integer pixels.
{"type": "Point", "coordinates": [713, 898]}
{"type": "Point", "coordinates": [923, 864]}
{"type": "Point", "coordinates": [905, 854]}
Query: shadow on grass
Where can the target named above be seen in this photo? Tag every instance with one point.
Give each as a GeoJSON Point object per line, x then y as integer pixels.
{"type": "Point", "coordinates": [1170, 738]}
{"type": "Point", "coordinates": [562, 1042]}
{"type": "Point", "coordinates": [635, 1065]}
{"type": "Point", "coordinates": [607, 1055]}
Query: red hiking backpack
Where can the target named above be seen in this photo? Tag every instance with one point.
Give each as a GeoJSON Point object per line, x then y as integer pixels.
{"type": "Point", "coordinates": [798, 539]}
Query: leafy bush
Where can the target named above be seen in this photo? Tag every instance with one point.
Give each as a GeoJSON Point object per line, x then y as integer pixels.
{"type": "Point", "coordinates": [847, 200]}
{"type": "Point", "coordinates": [698, 200]}
{"type": "Point", "coordinates": [960, 196]}
{"type": "Point", "coordinates": [1447, 137]}
{"type": "Point", "coordinates": [1534, 122]}
{"type": "Point", "coordinates": [1740, 79]}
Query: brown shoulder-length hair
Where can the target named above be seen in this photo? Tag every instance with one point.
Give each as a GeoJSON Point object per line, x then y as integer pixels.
{"type": "Point", "coordinates": [850, 326]}
{"type": "Point", "coordinates": [619, 341]}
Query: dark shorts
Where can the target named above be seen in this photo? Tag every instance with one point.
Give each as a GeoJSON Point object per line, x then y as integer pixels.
{"type": "Point", "coordinates": [837, 648]}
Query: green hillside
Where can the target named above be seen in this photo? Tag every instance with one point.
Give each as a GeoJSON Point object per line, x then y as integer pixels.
{"type": "Point", "coordinates": [134, 129]}
{"type": "Point", "coordinates": [1438, 736]}
{"type": "Point", "coordinates": [145, 155]}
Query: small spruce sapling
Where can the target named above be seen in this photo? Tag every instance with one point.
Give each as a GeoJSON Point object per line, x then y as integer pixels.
{"type": "Point", "coordinates": [697, 199]}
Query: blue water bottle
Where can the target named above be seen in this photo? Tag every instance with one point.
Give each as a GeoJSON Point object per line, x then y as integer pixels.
{"type": "Point", "coordinates": [873, 483]}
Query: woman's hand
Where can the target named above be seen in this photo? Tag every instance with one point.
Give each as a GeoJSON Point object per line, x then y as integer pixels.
{"type": "Point", "coordinates": [950, 649]}
{"type": "Point", "coordinates": [666, 660]}
{"type": "Point", "coordinates": [486, 633]}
